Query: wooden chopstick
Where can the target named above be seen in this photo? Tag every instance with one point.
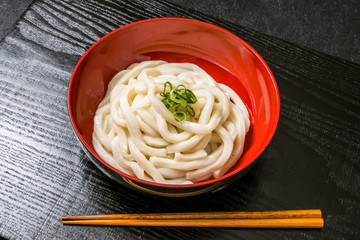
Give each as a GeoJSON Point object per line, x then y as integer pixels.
{"type": "Point", "coordinates": [311, 213]}
{"type": "Point", "coordinates": [238, 223]}
{"type": "Point", "coordinates": [266, 219]}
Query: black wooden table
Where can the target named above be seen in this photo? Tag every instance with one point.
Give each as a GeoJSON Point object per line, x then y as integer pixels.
{"type": "Point", "coordinates": [312, 162]}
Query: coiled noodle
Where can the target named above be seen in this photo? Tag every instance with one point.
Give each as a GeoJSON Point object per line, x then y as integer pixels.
{"type": "Point", "coordinates": [136, 134]}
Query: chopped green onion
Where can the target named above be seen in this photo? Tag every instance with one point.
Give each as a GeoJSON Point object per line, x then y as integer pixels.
{"type": "Point", "coordinates": [179, 86]}
{"type": "Point", "coordinates": [170, 86]}
{"type": "Point", "coordinates": [190, 96]}
{"type": "Point", "coordinates": [167, 103]}
{"type": "Point", "coordinates": [176, 97]}
{"type": "Point", "coordinates": [179, 116]}
{"type": "Point", "coordinates": [190, 110]}
{"type": "Point", "coordinates": [179, 98]}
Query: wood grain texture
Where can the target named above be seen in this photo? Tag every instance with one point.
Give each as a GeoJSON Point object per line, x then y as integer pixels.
{"type": "Point", "coordinates": [305, 24]}
{"type": "Point", "coordinates": [312, 162]}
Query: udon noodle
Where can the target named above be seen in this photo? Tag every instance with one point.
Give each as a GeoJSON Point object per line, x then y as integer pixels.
{"type": "Point", "coordinates": [137, 134]}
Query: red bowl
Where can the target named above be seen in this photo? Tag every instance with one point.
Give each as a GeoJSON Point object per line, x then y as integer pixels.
{"type": "Point", "coordinates": [226, 57]}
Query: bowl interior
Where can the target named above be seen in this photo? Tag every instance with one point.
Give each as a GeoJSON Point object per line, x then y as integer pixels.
{"type": "Point", "coordinates": [224, 56]}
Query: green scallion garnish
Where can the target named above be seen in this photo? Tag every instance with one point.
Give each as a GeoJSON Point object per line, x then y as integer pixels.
{"type": "Point", "coordinates": [179, 98]}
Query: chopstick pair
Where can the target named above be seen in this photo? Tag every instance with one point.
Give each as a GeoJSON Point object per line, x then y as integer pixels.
{"type": "Point", "coordinates": [261, 219]}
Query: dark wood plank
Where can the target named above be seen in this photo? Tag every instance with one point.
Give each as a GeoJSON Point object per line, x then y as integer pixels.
{"type": "Point", "coordinates": [312, 162]}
